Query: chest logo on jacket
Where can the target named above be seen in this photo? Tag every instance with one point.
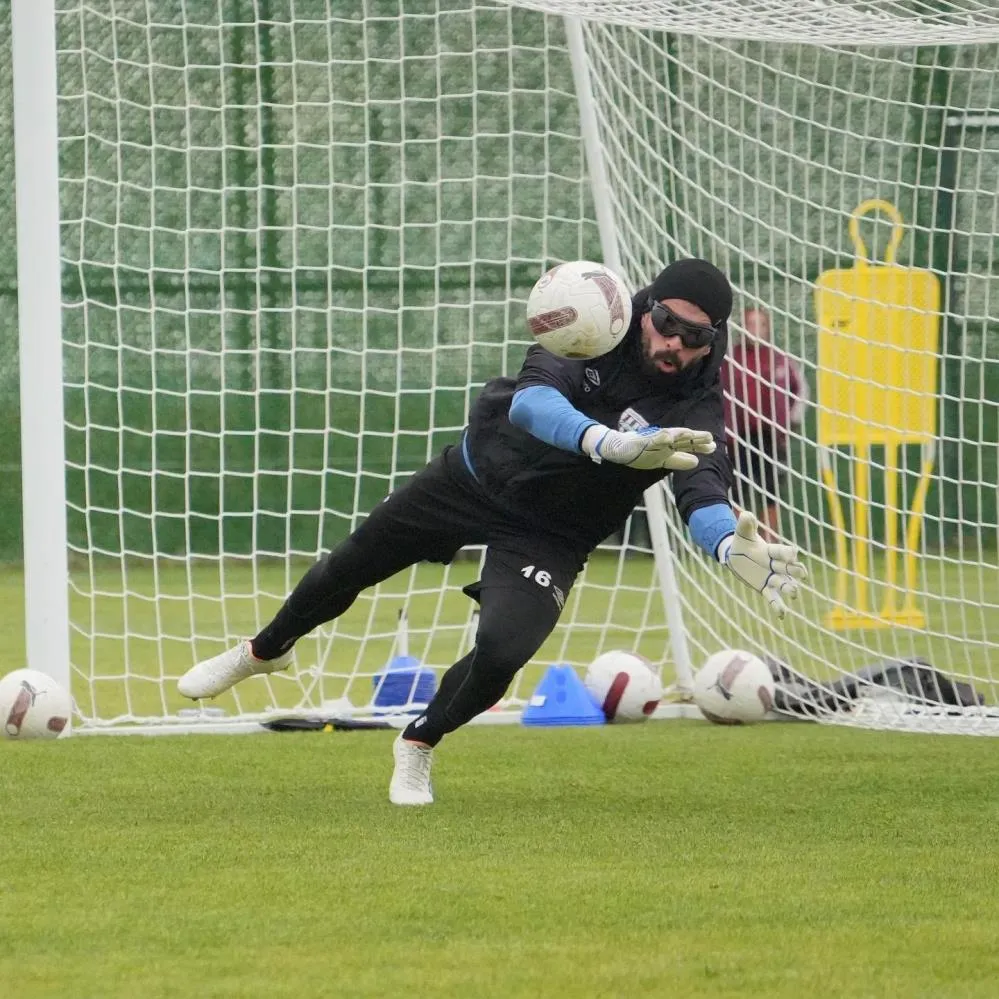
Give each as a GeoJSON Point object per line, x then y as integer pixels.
{"type": "Point", "coordinates": [631, 420]}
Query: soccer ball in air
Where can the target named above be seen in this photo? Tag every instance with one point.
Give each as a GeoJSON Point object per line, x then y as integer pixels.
{"type": "Point", "coordinates": [579, 310]}
{"type": "Point", "coordinates": [734, 688]}
{"type": "Point", "coordinates": [624, 685]}
{"type": "Point", "coordinates": [33, 705]}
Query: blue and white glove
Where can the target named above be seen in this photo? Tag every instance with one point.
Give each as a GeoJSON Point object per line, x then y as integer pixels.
{"type": "Point", "coordinates": [773, 570]}
{"type": "Point", "coordinates": [675, 449]}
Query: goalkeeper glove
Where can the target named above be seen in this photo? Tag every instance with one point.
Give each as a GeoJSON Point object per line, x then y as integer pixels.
{"type": "Point", "coordinates": [773, 570]}
{"type": "Point", "coordinates": [651, 447]}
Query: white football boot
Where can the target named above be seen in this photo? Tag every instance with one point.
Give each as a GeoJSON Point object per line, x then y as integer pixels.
{"type": "Point", "coordinates": [411, 778]}
{"type": "Point", "coordinates": [213, 676]}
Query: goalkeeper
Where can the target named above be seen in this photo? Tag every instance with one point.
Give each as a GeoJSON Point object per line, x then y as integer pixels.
{"type": "Point", "coordinates": [550, 464]}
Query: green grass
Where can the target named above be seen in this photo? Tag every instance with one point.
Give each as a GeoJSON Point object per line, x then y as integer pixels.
{"type": "Point", "coordinates": [671, 859]}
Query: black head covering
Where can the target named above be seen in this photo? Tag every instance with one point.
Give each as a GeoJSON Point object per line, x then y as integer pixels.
{"type": "Point", "coordinates": [696, 281]}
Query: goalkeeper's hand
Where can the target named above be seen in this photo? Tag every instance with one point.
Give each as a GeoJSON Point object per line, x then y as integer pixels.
{"type": "Point", "coordinates": [675, 449]}
{"type": "Point", "coordinates": [773, 570]}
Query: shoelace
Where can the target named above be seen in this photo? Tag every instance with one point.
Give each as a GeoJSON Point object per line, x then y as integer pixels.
{"type": "Point", "coordinates": [416, 772]}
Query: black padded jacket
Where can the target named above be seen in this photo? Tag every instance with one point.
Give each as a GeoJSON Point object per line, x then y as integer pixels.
{"type": "Point", "coordinates": [570, 495]}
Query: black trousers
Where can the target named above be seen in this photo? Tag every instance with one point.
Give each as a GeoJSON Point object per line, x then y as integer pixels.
{"type": "Point", "coordinates": [526, 578]}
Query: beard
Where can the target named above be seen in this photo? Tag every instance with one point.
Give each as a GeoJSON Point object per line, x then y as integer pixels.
{"type": "Point", "coordinates": [651, 362]}
{"type": "Point", "coordinates": [684, 371]}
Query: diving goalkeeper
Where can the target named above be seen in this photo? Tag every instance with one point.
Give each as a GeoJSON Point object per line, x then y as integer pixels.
{"type": "Point", "coordinates": [550, 464]}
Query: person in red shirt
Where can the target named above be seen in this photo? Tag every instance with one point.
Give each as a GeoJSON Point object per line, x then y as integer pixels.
{"type": "Point", "coordinates": [765, 394]}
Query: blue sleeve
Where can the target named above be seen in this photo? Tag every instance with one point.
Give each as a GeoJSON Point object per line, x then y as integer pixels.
{"type": "Point", "coordinates": [708, 525]}
{"type": "Point", "coordinates": [544, 412]}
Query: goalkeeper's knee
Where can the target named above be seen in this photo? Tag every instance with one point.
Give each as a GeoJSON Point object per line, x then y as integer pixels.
{"type": "Point", "coordinates": [501, 653]}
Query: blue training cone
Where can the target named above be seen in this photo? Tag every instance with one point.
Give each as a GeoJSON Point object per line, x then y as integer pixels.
{"type": "Point", "coordinates": [404, 685]}
{"type": "Point", "coordinates": [562, 699]}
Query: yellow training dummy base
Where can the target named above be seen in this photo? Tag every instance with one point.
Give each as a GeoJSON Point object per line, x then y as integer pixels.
{"type": "Point", "coordinates": [879, 333]}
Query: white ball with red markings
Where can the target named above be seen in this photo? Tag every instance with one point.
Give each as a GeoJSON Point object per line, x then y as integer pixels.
{"type": "Point", "coordinates": [625, 686]}
{"type": "Point", "coordinates": [579, 310]}
{"type": "Point", "coordinates": [734, 687]}
{"type": "Point", "coordinates": [33, 705]}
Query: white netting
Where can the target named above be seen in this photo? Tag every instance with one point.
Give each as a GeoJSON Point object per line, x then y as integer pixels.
{"type": "Point", "coordinates": [826, 22]}
{"type": "Point", "coordinates": [295, 244]}
{"type": "Point", "coordinates": [297, 241]}
{"type": "Point", "coordinates": [766, 154]}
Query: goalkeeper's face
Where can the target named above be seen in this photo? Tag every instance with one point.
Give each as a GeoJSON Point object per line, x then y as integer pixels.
{"type": "Point", "coordinates": [665, 353]}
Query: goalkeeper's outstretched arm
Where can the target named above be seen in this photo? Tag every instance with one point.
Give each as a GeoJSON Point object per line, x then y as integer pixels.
{"type": "Point", "coordinates": [545, 413]}
{"type": "Point", "coordinates": [772, 570]}
{"type": "Point", "coordinates": [701, 486]}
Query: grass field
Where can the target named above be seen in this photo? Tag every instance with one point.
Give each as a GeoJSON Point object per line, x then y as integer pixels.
{"type": "Point", "coordinates": [671, 859]}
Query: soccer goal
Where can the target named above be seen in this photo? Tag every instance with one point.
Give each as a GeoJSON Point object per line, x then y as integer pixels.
{"type": "Point", "coordinates": [268, 253]}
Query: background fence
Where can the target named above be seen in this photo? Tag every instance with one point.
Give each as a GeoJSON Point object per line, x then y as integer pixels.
{"type": "Point", "coordinates": [393, 242]}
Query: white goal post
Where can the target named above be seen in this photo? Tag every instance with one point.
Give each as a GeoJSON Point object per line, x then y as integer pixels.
{"type": "Point", "coordinates": [268, 252]}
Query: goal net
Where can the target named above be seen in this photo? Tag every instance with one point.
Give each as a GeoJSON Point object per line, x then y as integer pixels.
{"type": "Point", "coordinates": [297, 237]}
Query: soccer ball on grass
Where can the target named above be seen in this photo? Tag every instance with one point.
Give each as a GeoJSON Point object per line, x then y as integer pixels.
{"type": "Point", "coordinates": [579, 310]}
{"type": "Point", "coordinates": [624, 685]}
{"type": "Point", "coordinates": [734, 687]}
{"type": "Point", "coordinates": [33, 705]}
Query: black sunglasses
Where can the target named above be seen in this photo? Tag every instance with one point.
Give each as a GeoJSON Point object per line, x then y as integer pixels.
{"type": "Point", "coordinates": [668, 323]}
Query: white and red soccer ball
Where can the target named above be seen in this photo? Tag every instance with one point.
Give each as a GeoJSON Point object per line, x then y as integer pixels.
{"type": "Point", "coordinates": [33, 706]}
{"type": "Point", "coordinates": [734, 687]}
{"type": "Point", "coordinates": [625, 686]}
{"type": "Point", "coordinates": [579, 310]}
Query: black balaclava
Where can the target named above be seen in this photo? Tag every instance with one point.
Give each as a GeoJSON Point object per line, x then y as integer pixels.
{"type": "Point", "coordinates": [700, 282]}
{"type": "Point", "coordinates": [696, 281]}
